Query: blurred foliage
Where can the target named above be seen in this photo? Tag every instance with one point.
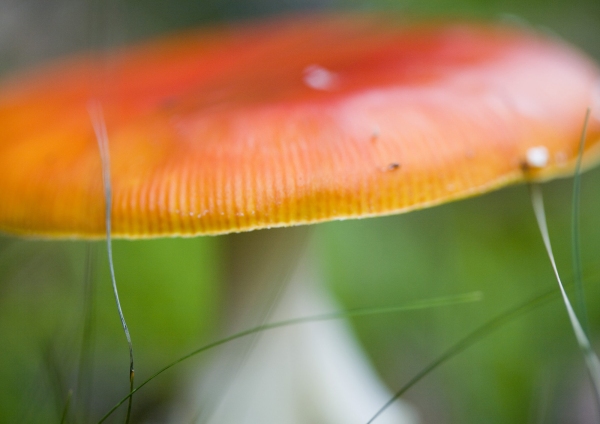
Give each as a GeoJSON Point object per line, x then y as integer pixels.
{"type": "Point", "coordinates": [169, 294]}
{"type": "Point", "coordinates": [490, 244]}
{"type": "Point", "coordinates": [529, 371]}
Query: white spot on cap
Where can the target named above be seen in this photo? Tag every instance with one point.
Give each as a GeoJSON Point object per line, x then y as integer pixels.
{"type": "Point", "coordinates": [319, 78]}
{"type": "Point", "coordinates": [375, 132]}
{"type": "Point", "coordinates": [537, 157]}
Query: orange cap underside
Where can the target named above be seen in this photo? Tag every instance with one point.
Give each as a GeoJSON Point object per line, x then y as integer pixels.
{"type": "Point", "coordinates": [287, 123]}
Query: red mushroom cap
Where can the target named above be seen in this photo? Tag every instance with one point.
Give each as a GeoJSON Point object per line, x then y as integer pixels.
{"type": "Point", "coordinates": [289, 122]}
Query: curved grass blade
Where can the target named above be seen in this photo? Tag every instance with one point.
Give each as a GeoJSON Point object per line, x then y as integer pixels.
{"type": "Point", "coordinates": [469, 340]}
{"type": "Point", "coordinates": [54, 375]}
{"type": "Point", "coordinates": [512, 313]}
{"type": "Point", "coordinates": [423, 304]}
{"type": "Point", "coordinates": [575, 232]}
{"type": "Point", "coordinates": [591, 359]}
{"type": "Point", "coordinates": [63, 418]}
{"type": "Point", "coordinates": [97, 117]}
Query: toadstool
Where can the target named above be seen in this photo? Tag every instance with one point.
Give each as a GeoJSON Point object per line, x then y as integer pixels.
{"type": "Point", "coordinates": [287, 123]}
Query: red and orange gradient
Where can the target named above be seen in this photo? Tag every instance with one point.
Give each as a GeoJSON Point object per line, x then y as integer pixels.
{"type": "Point", "coordinates": [287, 123]}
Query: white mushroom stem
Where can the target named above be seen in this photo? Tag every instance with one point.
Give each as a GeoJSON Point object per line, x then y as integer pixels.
{"type": "Point", "coordinates": [308, 373]}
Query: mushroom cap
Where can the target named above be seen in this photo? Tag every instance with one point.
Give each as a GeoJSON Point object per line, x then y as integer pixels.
{"type": "Point", "coordinates": [289, 122]}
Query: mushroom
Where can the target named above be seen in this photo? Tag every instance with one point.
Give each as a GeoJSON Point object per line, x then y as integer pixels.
{"type": "Point", "coordinates": [292, 122]}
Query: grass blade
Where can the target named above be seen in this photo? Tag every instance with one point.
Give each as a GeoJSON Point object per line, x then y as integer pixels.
{"type": "Point", "coordinates": [97, 117]}
{"type": "Point", "coordinates": [423, 304]}
{"type": "Point", "coordinates": [591, 359]}
{"type": "Point", "coordinates": [575, 232]}
{"type": "Point", "coordinates": [469, 340]}
{"type": "Point", "coordinates": [63, 418]}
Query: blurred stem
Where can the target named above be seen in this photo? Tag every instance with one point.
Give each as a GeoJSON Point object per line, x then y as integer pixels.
{"type": "Point", "coordinates": [258, 266]}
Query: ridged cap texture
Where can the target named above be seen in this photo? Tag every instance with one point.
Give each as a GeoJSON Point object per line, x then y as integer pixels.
{"type": "Point", "coordinates": [289, 122]}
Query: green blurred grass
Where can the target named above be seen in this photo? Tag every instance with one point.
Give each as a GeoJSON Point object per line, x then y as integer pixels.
{"type": "Point", "coordinates": [490, 244]}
